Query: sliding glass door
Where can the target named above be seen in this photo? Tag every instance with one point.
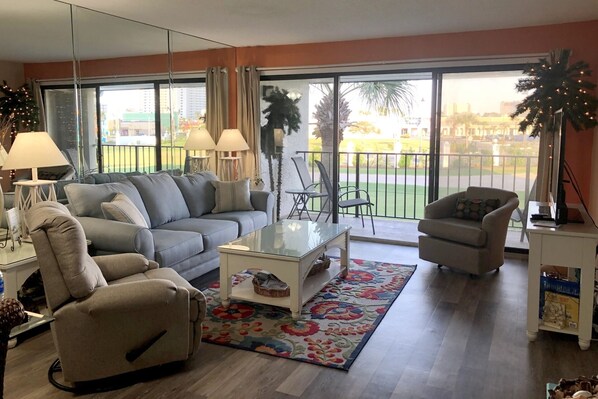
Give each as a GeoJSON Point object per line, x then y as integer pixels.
{"type": "Point", "coordinates": [385, 125]}
{"type": "Point", "coordinates": [128, 128]}
{"type": "Point", "coordinates": [479, 144]}
{"type": "Point", "coordinates": [122, 129]}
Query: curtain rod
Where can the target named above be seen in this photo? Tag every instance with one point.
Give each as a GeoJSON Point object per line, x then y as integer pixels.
{"type": "Point", "coordinates": [124, 78]}
{"type": "Point", "coordinates": [408, 64]}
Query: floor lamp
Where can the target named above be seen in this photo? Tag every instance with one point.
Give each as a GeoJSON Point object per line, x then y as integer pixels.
{"type": "Point", "coordinates": [230, 165]}
{"type": "Point", "coordinates": [32, 150]}
{"type": "Point", "coordinates": [199, 140]}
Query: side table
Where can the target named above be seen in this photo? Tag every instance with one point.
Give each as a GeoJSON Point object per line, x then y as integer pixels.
{"type": "Point", "coordinates": [300, 200]}
{"type": "Point", "coordinates": [17, 266]}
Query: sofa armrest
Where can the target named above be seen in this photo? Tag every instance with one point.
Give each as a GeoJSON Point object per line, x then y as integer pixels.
{"type": "Point", "coordinates": [129, 297]}
{"type": "Point", "coordinates": [443, 207]}
{"type": "Point", "coordinates": [118, 237]}
{"type": "Point", "coordinates": [496, 222]}
{"type": "Point", "coordinates": [263, 201]}
{"type": "Point", "coordinates": [118, 266]}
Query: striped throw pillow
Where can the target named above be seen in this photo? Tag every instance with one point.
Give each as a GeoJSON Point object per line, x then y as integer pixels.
{"type": "Point", "coordinates": [232, 196]}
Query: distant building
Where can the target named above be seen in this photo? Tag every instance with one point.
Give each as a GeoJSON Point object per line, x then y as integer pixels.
{"type": "Point", "coordinates": [508, 107]}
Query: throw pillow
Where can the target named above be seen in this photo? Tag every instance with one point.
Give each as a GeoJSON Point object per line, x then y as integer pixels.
{"type": "Point", "coordinates": [475, 209]}
{"type": "Point", "coordinates": [121, 208]}
{"type": "Point", "coordinates": [232, 196]}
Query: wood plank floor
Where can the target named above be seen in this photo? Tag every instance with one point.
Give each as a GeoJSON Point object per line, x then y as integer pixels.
{"type": "Point", "coordinates": [446, 336]}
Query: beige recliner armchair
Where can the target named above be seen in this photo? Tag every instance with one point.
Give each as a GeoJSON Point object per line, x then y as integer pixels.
{"type": "Point", "coordinates": [113, 314]}
{"type": "Point", "coordinates": [458, 241]}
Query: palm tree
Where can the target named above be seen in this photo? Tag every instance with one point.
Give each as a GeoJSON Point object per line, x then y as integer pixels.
{"type": "Point", "coordinates": [395, 97]}
{"type": "Point", "coordinates": [282, 113]}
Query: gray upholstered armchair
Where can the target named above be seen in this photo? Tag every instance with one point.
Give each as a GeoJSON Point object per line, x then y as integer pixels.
{"type": "Point", "coordinates": [113, 314]}
{"type": "Point", "coordinates": [457, 240]}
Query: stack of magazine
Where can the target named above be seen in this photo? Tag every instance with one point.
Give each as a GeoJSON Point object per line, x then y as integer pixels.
{"type": "Point", "coordinates": [559, 302]}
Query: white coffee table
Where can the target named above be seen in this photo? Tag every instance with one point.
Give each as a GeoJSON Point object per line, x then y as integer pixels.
{"type": "Point", "coordinates": [287, 249]}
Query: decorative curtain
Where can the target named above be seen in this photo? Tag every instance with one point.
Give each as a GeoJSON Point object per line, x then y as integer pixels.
{"type": "Point", "coordinates": [248, 116]}
{"type": "Point", "coordinates": [543, 177]}
{"type": "Point", "coordinates": [217, 104]}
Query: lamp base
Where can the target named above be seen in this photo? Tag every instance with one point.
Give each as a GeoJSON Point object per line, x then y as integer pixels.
{"type": "Point", "coordinates": [230, 168]}
{"type": "Point", "coordinates": [199, 164]}
{"type": "Point", "coordinates": [25, 200]}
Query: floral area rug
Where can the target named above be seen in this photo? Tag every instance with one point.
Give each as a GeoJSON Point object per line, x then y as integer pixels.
{"type": "Point", "coordinates": [335, 324]}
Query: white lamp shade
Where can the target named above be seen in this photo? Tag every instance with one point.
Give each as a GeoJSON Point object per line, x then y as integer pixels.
{"type": "Point", "coordinates": [231, 140]}
{"type": "Point", "coordinates": [3, 155]}
{"type": "Point", "coordinates": [33, 150]}
{"type": "Point", "coordinates": [199, 139]}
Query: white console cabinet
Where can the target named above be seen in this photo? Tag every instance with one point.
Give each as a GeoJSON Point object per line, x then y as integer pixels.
{"type": "Point", "coordinates": [570, 245]}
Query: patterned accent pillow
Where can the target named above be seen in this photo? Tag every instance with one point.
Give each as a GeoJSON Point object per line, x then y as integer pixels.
{"type": "Point", "coordinates": [121, 208]}
{"type": "Point", "coordinates": [232, 196]}
{"type": "Point", "coordinates": [475, 209]}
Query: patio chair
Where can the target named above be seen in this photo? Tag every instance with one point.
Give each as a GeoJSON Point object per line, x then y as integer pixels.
{"type": "Point", "coordinates": [348, 197]}
{"type": "Point", "coordinates": [520, 216]}
{"type": "Point", "coordinates": [311, 189]}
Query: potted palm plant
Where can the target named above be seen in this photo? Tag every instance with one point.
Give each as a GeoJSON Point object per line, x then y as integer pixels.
{"type": "Point", "coordinates": [282, 117]}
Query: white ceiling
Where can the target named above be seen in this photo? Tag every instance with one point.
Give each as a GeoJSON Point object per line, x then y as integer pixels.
{"type": "Point", "coordinates": [38, 29]}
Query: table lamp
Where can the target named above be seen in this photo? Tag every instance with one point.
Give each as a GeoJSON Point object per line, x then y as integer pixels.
{"type": "Point", "coordinates": [33, 150]}
{"type": "Point", "coordinates": [199, 140]}
{"type": "Point", "coordinates": [230, 142]}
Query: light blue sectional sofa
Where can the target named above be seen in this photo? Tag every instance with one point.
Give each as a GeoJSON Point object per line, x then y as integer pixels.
{"type": "Point", "coordinates": [182, 231]}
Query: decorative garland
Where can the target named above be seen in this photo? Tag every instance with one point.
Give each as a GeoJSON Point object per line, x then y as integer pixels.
{"type": "Point", "coordinates": [557, 85]}
{"type": "Point", "coordinates": [19, 107]}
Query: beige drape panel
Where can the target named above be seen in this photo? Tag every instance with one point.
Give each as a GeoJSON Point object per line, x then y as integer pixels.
{"type": "Point", "coordinates": [543, 178]}
{"type": "Point", "coordinates": [37, 96]}
{"type": "Point", "coordinates": [217, 104]}
{"type": "Point", "coordinates": [248, 116]}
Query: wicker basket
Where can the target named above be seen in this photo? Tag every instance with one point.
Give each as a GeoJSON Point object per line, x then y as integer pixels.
{"type": "Point", "coordinates": [267, 284]}
{"type": "Point", "coordinates": [322, 263]}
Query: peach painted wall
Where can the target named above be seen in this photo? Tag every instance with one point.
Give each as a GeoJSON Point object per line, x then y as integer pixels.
{"type": "Point", "coordinates": [579, 37]}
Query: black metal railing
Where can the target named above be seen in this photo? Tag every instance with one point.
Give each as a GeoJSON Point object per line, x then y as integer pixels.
{"type": "Point", "coordinates": [398, 183]}
{"type": "Point", "coordinates": [142, 158]}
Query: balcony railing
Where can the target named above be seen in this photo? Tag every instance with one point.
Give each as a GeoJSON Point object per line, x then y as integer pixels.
{"type": "Point", "coordinates": [398, 182]}
{"type": "Point", "coordinates": [142, 158]}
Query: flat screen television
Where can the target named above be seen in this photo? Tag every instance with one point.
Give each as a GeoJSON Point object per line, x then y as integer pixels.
{"type": "Point", "coordinates": [556, 189]}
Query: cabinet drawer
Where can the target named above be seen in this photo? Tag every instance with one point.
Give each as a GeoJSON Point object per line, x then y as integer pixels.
{"type": "Point", "coordinates": [562, 251]}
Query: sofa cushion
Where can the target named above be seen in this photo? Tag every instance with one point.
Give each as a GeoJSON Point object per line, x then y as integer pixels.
{"type": "Point", "coordinates": [232, 196]}
{"type": "Point", "coordinates": [467, 232]}
{"type": "Point", "coordinates": [111, 177]}
{"type": "Point", "coordinates": [213, 232]}
{"type": "Point", "coordinates": [198, 192]}
{"type": "Point", "coordinates": [86, 199]}
{"type": "Point", "coordinates": [121, 208]}
{"type": "Point", "coordinates": [247, 221]}
{"type": "Point", "coordinates": [173, 247]}
{"type": "Point", "coordinates": [162, 198]}
{"type": "Point", "coordinates": [474, 209]}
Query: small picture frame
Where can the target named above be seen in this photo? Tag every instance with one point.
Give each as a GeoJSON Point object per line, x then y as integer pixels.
{"type": "Point", "coordinates": [13, 221]}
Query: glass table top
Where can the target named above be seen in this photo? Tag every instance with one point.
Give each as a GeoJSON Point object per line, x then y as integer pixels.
{"type": "Point", "coordinates": [35, 320]}
{"type": "Point", "coordinates": [293, 238]}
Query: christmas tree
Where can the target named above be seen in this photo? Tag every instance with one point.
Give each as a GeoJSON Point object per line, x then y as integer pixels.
{"type": "Point", "coordinates": [555, 85]}
{"type": "Point", "coordinates": [18, 109]}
